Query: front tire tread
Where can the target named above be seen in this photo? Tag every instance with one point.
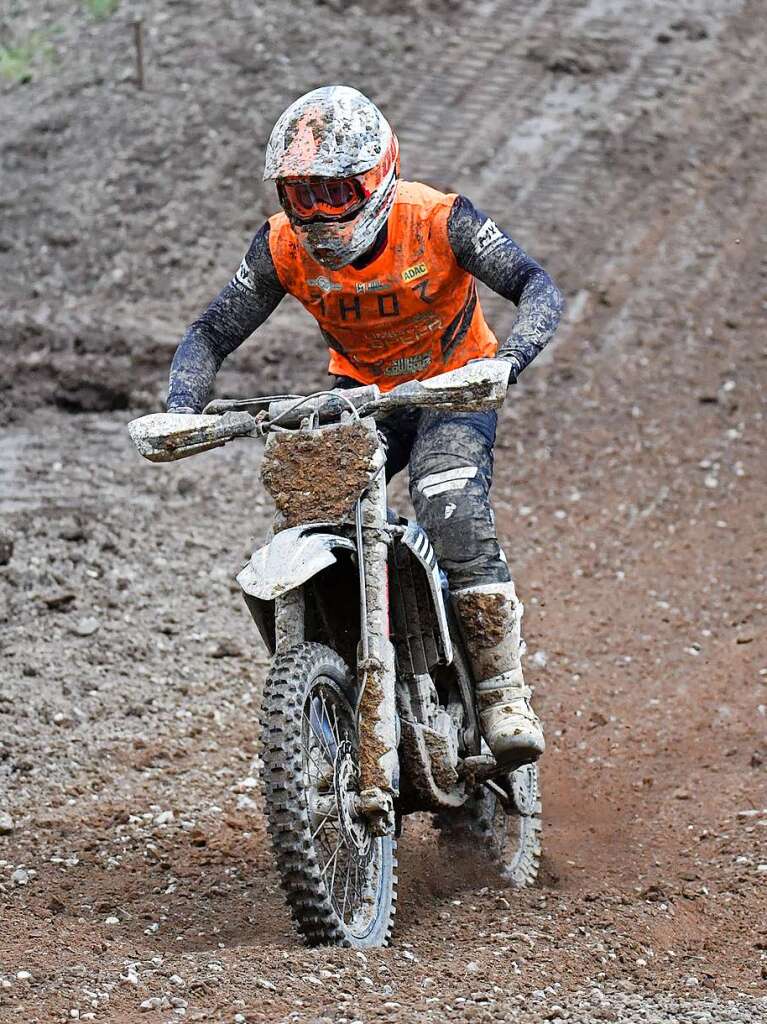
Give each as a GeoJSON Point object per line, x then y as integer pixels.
{"type": "Point", "coordinates": [288, 822]}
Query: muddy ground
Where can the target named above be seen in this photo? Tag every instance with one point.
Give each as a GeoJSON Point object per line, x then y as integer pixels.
{"type": "Point", "coordinates": [624, 144]}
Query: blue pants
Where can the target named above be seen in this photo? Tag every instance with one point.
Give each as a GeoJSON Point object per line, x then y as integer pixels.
{"type": "Point", "coordinates": [450, 455]}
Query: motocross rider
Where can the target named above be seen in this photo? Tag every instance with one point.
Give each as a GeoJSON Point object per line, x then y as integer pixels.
{"type": "Point", "coordinates": [388, 269]}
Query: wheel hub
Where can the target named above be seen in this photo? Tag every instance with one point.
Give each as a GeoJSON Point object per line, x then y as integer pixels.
{"type": "Point", "coordinates": [353, 826]}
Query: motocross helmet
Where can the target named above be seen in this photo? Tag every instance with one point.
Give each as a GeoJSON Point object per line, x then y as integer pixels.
{"type": "Point", "coordinates": [335, 159]}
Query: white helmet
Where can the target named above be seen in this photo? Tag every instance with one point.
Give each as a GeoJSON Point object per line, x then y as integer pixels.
{"type": "Point", "coordinates": [336, 163]}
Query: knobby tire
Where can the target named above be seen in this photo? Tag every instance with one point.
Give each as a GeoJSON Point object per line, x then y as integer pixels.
{"type": "Point", "coordinates": [296, 674]}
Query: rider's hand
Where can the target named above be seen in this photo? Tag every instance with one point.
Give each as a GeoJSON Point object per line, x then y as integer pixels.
{"type": "Point", "coordinates": [511, 359]}
{"type": "Point", "coordinates": [507, 358]}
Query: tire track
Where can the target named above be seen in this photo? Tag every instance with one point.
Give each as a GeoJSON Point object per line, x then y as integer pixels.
{"type": "Point", "coordinates": [480, 78]}
{"type": "Point", "coordinates": [584, 172]}
{"type": "Point", "coordinates": [658, 257]}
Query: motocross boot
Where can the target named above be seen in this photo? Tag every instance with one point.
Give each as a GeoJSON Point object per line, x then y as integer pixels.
{"type": "Point", "coordinates": [490, 618]}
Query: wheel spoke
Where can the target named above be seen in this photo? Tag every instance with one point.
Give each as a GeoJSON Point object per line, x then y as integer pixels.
{"type": "Point", "coordinates": [329, 814]}
{"type": "Point", "coordinates": [334, 855]}
{"type": "Point", "coordinates": [336, 727]}
{"type": "Point", "coordinates": [319, 737]}
{"type": "Point", "coordinates": [335, 866]}
{"type": "Point", "coordinates": [356, 887]}
{"type": "Point", "coordinates": [315, 764]}
{"type": "Point", "coordinates": [326, 719]}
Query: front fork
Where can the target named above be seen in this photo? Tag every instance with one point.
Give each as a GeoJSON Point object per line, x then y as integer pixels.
{"type": "Point", "coordinates": [377, 705]}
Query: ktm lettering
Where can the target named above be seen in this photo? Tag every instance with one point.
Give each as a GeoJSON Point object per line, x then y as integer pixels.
{"type": "Point", "coordinates": [420, 290]}
{"type": "Point", "coordinates": [357, 307]}
{"type": "Point", "coordinates": [388, 304]}
{"type": "Point", "coordinates": [318, 297]}
{"type": "Point", "coordinates": [345, 308]}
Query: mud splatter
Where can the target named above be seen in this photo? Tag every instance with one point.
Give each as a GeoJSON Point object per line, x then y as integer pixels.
{"type": "Point", "coordinates": [490, 698]}
{"type": "Point", "coordinates": [442, 771]}
{"type": "Point", "coordinates": [486, 618]}
{"type": "Point", "coordinates": [316, 476]}
{"type": "Point", "coordinates": [372, 748]}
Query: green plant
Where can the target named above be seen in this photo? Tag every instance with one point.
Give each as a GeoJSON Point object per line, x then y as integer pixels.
{"type": "Point", "coordinates": [16, 60]}
{"type": "Point", "coordinates": [101, 8]}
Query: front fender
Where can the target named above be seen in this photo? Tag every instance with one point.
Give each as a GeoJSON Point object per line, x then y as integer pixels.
{"type": "Point", "coordinates": [291, 558]}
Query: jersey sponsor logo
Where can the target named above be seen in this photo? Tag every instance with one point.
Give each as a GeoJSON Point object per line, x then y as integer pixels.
{"type": "Point", "coordinates": [420, 290]}
{"type": "Point", "coordinates": [488, 237]}
{"type": "Point", "coordinates": [360, 307]}
{"type": "Point", "coordinates": [370, 286]}
{"type": "Point", "coordinates": [408, 364]}
{"type": "Point", "coordinates": [412, 331]}
{"type": "Point", "coordinates": [414, 272]}
{"type": "Point", "coordinates": [244, 276]}
{"type": "Point", "coordinates": [324, 284]}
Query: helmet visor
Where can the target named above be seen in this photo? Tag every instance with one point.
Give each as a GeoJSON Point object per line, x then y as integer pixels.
{"type": "Point", "coordinates": [316, 199]}
{"type": "Point", "coordinates": [309, 199]}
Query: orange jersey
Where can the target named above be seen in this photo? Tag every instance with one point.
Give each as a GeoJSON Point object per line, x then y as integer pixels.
{"type": "Point", "coordinates": [411, 312]}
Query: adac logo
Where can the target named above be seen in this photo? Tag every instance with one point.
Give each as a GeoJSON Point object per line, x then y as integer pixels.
{"type": "Point", "coordinates": [324, 284]}
{"type": "Point", "coordinates": [414, 272]}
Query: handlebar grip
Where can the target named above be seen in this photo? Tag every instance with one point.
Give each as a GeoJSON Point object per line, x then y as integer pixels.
{"type": "Point", "coordinates": [165, 437]}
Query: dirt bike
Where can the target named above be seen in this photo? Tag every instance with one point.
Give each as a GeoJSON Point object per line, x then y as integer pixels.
{"type": "Point", "coordinates": [368, 712]}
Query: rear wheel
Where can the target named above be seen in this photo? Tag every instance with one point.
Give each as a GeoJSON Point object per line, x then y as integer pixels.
{"type": "Point", "coordinates": [511, 840]}
{"type": "Point", "coordinates": [339, 879]}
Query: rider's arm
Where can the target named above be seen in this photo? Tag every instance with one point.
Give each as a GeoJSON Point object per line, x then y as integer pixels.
{"type": "Point", "coordinates": [242, 306]}
{"type": "Point", "coordinates": [494, 258]}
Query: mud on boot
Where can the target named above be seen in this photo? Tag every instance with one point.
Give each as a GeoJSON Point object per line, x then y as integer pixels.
{"type": "Point", "coordinates": [490, 617]}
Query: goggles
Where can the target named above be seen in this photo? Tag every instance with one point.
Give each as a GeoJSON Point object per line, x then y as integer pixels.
{"type": "Point", "coordinates": [331, 199]}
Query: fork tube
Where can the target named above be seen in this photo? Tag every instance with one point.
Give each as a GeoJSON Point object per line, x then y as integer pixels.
{"type": "Point", "coordinates": [379, 763]}
{"type": "Point", "coordinates": [363, 583]}
{"type": "Point", "coordinates": [289, 619]}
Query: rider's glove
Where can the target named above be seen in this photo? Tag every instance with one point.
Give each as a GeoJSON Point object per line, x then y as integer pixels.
{"type": "Point", "coordinates": [510, 357]}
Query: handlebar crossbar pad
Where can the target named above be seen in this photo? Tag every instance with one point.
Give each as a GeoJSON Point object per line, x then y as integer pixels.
{"type": "Point", "coordinates": [290, 412]}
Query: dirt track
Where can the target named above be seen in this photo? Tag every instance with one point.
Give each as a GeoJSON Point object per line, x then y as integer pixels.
{"type": "Point", "coordinates": [624, 145]}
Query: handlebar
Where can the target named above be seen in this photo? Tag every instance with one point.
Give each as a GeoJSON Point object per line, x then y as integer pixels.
{"type": "Point", "coordinates": [480, 384]}
{"type": "Point", "coordinates": [477, 386]}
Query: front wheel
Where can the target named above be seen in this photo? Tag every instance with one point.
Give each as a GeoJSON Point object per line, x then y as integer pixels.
{"type": "Point", "coordinates": [340, 880]}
